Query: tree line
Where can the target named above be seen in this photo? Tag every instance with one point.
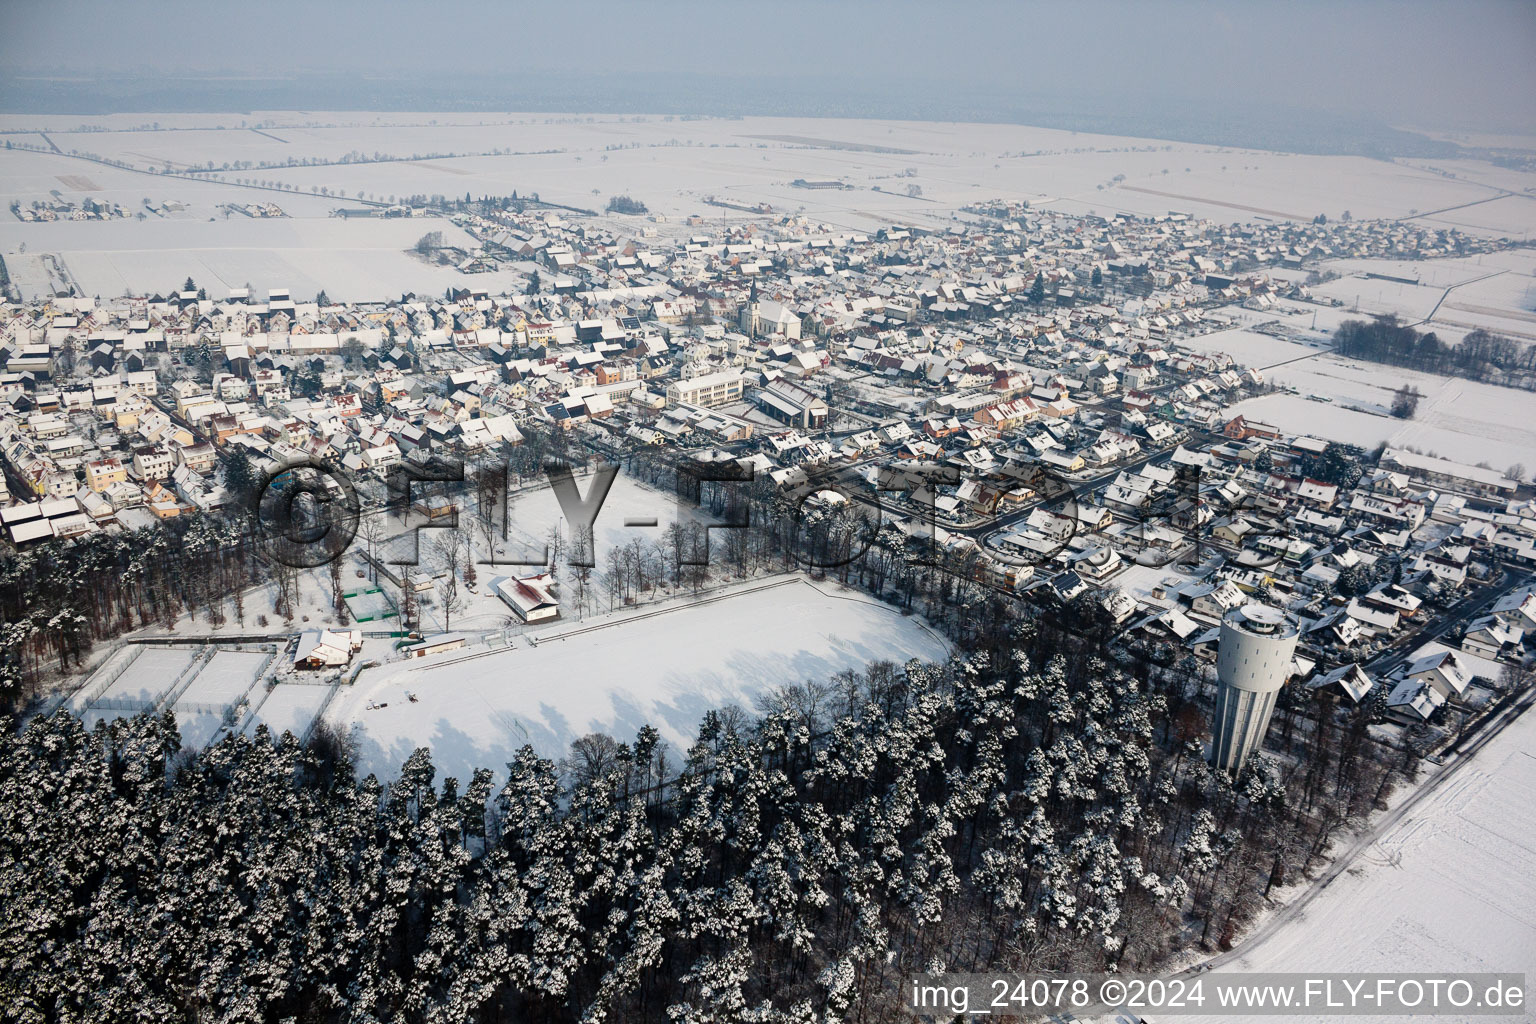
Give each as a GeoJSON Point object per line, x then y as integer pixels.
{"type": "Point", "coordinates": [1481, 355]}
{"type": "Point", "coordinates": [1028, 807]}
{"type": "Point", "coordinates": [57, 600]}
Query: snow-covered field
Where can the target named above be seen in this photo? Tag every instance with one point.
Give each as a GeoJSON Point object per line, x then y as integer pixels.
{"type": "Point", "coordinates": [1495, 291]}
{"type": "Point", "coordinates": [147, 679]}
{"type": "Point", "coordinates": [217, 687]}
{"type": "Point", "coordinates": [665, 670]}
{"type": "Point", "coordinates": [289, 707]}
{"type": "Point", "coordinates": [225, 679]}
{"type": "Point", "coordinates": [151, 674]}
{"type": "Point", "coordinates": [1410, 301]}
{"type": "Point", "coordinates": [671, 165]}
{"type": "Point", "coordinates": [197, 728]}
{"type": "Point", "coordinates": [356, 260]}
{"type": "Point", "coordinates": [78, 700]}
{"type": "Point", "coordinates": [1461, 420]}
{"type": "Point", "coordinates": [1248, 347]}
{"type": "Point", "coordinates": [1450, 888]}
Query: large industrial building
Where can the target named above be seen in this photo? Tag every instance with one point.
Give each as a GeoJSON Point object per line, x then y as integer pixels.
{"type": "Point", "coordinates": [1253, 661]}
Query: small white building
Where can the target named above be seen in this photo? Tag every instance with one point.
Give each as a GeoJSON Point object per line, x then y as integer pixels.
{"type": "Point", "coordinates": [531, 597]}
{"type": "Point", "coordinates": [1350, 681]}
{"type": "Point", "coordinates": [327, 648]}
{"type": "Point", "coordinates": [435, 645]}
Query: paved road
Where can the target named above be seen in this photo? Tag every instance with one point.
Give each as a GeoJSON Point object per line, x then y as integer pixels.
{"type": "Point", "coordinates": [1467, 609]}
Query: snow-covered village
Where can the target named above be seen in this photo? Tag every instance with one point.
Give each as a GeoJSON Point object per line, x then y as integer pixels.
{"type": "Point", "coordinates": [771, 564]}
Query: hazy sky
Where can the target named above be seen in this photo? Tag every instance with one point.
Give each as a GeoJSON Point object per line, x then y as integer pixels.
{"type": "Point", "coordinates": [1432, 63]}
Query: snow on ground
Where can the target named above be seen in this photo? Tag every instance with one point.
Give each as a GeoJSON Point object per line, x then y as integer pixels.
{"type": "Point", "coordinates": [1248, 348]}
{"type": "Point", "coordinates": [1457, 272]}
{"type": "Point", "coordinates": [1508, 216]}
{"type": "Point", "coordinates": [26, 176]}
{"type": "Point", "coordinates": [1481, 667]}
{"type": "Point", "coordinates": [1495, 291]}
{"type": "Point", "coordinates": [356, 260]}
{"type": "Point", "coordinates": [1462, 420]}
{"type": "Point", "coordinates": [870, 389]}
{"type": "Point", "coordinates": [217, 688]}
{"type": "Point", "coordinates": [90, 719]}
{"type": "Point", "coordinates": [536, 512]}
{"type": "Point", "coordinates": [1139, 581]}
{"type": "Point", "coordinates": [1448, 889]}
{"type": "Point", "coordinates": [375, 607]}
{"type": "Point", "coordinates": [1412, 302]}
{"type": "Point", "coordinates": [672, 166]}
{"type": "Point", "coordinates": [289, 707]}
{"type": "Point", "coordinates": [666, 670]}
{"type": "Point", "coordinates": [76, 700]}
{"type": "Point", "coordinates": [151, 674]}
{"type": "Point", "coordinates": [197, 728]}
{"type": "Point", "coordinates": [225, 679]}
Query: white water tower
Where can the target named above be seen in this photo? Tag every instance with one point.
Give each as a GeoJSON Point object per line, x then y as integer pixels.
{"type": "Point", "coordinates": [1253, 661]}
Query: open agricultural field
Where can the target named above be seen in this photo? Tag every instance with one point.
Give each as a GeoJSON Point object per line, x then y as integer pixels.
{"type": "Point", "coordinates": [1457, 419]}
{"type": "Point", "coordinates": [353, 260]}
{"type": "Point", "coordinates": [1248, 347]}
{"type": "Point", "coordinates": [892, 171]}
{"type": "Point", "coordinates": [1349, 400]}
{"type": "Point", "coordinates": [1495, 291]}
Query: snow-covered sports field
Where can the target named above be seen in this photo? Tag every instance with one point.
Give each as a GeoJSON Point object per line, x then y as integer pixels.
{"type": "Point", "coordinates": [664, 669]}
{"type": "Point", "coordinates": [290, 707]}
{"type": "Point", "coordinates": [225, 679]}
{"type": "Point", "coordinates": [150, 675]}
{"type": "Point", "coordinates": [201, 692]}
{"type": "Point", "coordinates": [217, 687]}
